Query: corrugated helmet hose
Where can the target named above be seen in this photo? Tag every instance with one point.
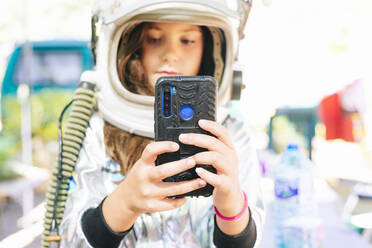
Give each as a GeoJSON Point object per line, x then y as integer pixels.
{"type": "Point", "coordinates": [82, 107]}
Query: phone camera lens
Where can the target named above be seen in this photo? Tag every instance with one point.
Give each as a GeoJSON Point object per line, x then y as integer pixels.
{"type": "Point", "coordinates": [186, 112]}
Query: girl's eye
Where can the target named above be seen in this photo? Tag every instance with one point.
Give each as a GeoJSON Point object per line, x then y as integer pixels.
{"type": "Point", "coordinates": [153, 40]}
{"type": "Point", "coordinates": [187, 41]}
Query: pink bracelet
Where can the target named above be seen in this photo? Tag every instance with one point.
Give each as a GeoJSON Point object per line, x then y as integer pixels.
{"type": "Point", "coordinates": [236, 216]}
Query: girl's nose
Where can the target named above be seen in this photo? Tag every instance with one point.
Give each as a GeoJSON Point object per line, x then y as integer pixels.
{"type": "Point", "coordinates": [171, 53]}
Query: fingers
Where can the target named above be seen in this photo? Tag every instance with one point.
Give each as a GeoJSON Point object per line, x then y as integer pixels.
{"type": "Point", "coordinates": [211, 178]}
{"type": "Point", "coordinates": [167, 189]}
{"type": "Point", "coordinates": [202, 140]}
{"type": "Point", "coordinates": [167, 204]}
{"type": "Point", "coordinates": [152, 150]}
{"type": "Point", "coordinates": [217, 160]}
{"type": "Point", "coordinates": [172, 168]}
{"type": "Point", "coordinates": [209, 142]}
{"type": "Point", "coordinates": [217, 130]}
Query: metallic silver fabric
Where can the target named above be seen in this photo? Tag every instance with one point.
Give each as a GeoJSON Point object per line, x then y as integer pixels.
{"type": "Point", "coordinates": [190, 226]}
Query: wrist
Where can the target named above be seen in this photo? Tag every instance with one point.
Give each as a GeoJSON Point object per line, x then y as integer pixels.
{"type": "Point", "coordinates": [232, 205]}
{"type": "Point", "coordinates": [118, 216]}
{"type": "Point", "coordinates": [127, 202]}
{"type": "Point", "coordinates": [127, 210]}
{"type": "Point", "coordinates": [233, 225]}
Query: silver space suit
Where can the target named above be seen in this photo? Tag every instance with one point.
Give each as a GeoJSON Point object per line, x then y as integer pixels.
{"type": "Point", "coordinates": [189, 226]}
{"type": "Point", "coordinates": [95, 173]}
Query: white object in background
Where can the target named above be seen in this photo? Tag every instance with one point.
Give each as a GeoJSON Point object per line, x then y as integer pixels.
{"type": "Point", "coordinates": [23, 95]}
{"type": "Point", "coordinates": [35, 215]}
{"type": "Point", "coordinates": [24, 237]}
{"type": "Point", "coordinates": [362, 220]}
{"type": "Point", "coordinates": [23, 187]}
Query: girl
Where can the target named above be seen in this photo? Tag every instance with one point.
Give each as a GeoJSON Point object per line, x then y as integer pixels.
{"type": "Point", "coordinates": [133, 210]}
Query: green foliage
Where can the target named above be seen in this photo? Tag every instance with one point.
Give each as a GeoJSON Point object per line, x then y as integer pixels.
{"type": "Point", "coordinates": [11, 117]}
{"type": "Point", "coordinates": [8, 147]}
{"type": "Point", "coordinates": [6, 172]}
{"type": "Point", "coordinates": [46, 106]}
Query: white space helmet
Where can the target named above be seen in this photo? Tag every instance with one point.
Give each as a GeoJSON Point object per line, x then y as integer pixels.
{"type": "Point", "coordinates": [133, 112]}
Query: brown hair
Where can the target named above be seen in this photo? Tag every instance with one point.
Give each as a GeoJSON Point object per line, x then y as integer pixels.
{"type": "Point", "coordinates": [121, 146]}
{"type": "Point", "coordinates": [130, 69]}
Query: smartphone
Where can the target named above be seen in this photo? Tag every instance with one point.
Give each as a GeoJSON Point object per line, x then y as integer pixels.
{"type": "Point", "coordinates": [180, 102]}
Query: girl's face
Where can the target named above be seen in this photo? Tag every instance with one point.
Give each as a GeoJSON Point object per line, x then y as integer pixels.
{"type": "Point", "coordinates": [171, 49]}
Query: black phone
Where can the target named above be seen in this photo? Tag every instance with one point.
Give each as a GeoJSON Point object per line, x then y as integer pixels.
{"type": "Point", "coordinates": [180, 102]}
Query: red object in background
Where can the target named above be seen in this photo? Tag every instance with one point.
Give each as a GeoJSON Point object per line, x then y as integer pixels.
{"type": "Point", "coordinates": [338, 125]}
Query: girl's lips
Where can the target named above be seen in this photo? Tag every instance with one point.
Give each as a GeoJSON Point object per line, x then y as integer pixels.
{"type": "Point", "coordinates": [167, 73]}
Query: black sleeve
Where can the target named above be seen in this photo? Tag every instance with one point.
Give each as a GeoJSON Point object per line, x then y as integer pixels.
{"type": "Point", "coordinates": [246, 239]}
{"type": "Point", "coordinates": [96, 230]}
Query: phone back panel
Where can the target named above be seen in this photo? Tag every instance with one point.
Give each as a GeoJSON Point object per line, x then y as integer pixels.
{"type": "Point", "coordinates": [191, 99]}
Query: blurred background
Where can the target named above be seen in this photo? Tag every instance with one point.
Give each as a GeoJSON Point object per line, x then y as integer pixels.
{"type": "Point", "coordinates": [307, 81]}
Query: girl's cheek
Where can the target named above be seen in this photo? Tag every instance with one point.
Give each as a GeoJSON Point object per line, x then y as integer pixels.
{"type": "Point", "coordinates": [153, 51]}
{"type": "Point", "coordinates": [149, 48]}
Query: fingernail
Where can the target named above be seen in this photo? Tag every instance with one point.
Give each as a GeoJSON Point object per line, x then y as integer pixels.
{"type": "Point", "coordinates": [175, 146]}
{"type": "Point", "coordinates": [202, 122]}
{"type": "Point", "coordinates": [198, 170]}
{"type": "Point", "coordinates": [183, 137]}
{"type": "Point", "coordinates": [202, 182]}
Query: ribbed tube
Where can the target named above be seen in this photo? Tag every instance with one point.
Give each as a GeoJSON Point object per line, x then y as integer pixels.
{"type": "Point", "coordinates": [77, 123]}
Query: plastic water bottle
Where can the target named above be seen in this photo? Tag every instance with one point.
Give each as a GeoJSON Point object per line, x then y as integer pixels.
{"type": "Point", "coordinates": [295, 215]}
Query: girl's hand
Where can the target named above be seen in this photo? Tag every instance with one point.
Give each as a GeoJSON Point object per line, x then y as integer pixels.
{"type": "Point", "coordinates": [143, 191]}
{"type": "Point", "coordinates": [227, 194]}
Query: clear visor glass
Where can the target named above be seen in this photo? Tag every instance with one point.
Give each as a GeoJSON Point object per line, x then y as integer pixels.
{"type": "Point", "coordinates": [148, 50]}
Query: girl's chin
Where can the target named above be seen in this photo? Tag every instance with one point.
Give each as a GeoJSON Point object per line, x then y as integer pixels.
{"type": "Point", "coordinates": [156, 76]}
